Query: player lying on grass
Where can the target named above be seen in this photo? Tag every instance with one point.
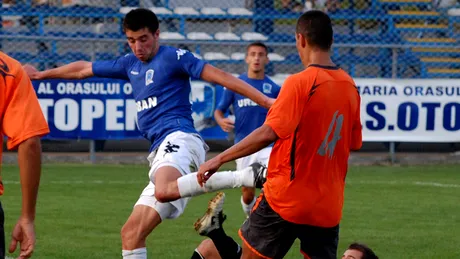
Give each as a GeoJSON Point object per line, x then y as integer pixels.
{"type": "Point", "coordinates": [160, 77]}
{"type": "Point", "coordinates": [220, 246]}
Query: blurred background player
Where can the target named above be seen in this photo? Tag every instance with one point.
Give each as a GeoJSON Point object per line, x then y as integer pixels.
{"type": "Point", "coordinates": [22, 121]}
{"type": "Point", "coordinates": [315, 122]}
{"type": "Point", "coordinates": [248, 115]}
{"type": "Point", "coordinates": [160, 77]}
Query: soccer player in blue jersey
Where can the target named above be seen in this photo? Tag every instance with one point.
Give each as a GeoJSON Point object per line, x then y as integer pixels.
{"type": "Point", "coordinates": [248, 115]}
{"type": "Point", "coordinates": [160, 76]}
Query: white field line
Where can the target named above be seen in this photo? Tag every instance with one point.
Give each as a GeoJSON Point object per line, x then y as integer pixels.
{"type": "Point", "coordinates": [76, 182]}
{"type": "Point", "coordinates": [417, 183]}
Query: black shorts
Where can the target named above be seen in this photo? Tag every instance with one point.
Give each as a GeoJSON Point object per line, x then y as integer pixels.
{"type": "Point", "coordinates": [270, 236]}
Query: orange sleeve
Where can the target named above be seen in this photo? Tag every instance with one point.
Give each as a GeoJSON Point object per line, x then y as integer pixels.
{"type": "Point", "coordinates": [284, 116]}
{"type": "Point", "coordinates": [23, 116]}
{"type": "Point", "coordinates": [357, 131]}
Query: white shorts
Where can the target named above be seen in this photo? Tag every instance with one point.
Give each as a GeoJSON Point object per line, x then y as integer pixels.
{"type": "Point", "coordinates": [183, 151]}
{"type": "Point", "coordinates": [262, 157]}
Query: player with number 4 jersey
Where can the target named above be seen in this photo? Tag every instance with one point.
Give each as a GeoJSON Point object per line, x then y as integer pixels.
{"type": "Point", "coordinates": [315, 122]}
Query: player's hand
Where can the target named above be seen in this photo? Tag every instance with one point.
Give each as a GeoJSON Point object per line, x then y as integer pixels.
{"type": "Point", "coordinates": [207, 170]}
{"type": "Point", "coordinates": [24, 233]}
{"type": "Point", "coordinates": [226, 124]}
{"type": "Point", "coordinates": [32, 72]}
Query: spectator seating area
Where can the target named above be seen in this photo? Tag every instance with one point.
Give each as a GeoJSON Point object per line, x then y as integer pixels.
{"type": "Point", "coordinates": [385, 38]}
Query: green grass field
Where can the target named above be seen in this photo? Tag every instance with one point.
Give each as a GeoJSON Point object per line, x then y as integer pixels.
{"type": "Point", "coordinates": [401, 212]}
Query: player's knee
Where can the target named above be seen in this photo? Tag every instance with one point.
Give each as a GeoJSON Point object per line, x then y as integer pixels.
{"type": "Point", "coordinates": [207, 249]}
{"type": "Point", "coordinates": [167, 191]}
{"type": "Point", "coordinates": [166, 188]}
{"type": "Point", "coordinates": [162, 195]}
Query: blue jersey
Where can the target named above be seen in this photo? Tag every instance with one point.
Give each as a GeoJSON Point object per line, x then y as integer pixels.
{"type": "Point", "coordinates": [248, 115]}
{"type": "Point", "coordinates": [161, 89]}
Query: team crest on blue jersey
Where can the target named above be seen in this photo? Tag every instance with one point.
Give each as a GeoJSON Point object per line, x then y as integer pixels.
{"type": "Point", "coordinates": [267, 88]}
{"type": "Point", "coordinates": [149, 76]}
{"type": "Point", "coordinates": [180, 52]}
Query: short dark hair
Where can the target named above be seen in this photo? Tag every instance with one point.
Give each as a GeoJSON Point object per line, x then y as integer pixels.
{"type": "Point", "coordinates": [316, 27]}
{"type": "Point", "coordinates": [257, 44]}
{"type": "Point", "coordinates": [367, 252]}
{"type": "Point", "coordinates": [140, 18]}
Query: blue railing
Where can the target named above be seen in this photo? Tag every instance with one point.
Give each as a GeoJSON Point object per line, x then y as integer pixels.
{"type": "Point", "coordinates": [387, 36]}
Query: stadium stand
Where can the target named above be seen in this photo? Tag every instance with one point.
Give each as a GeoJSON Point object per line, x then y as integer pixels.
{"type": "Point", "coordinates": [420, 37]}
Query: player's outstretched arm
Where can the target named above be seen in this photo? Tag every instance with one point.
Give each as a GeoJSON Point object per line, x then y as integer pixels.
{"type": "Point", "coordinates": [214, 75]}
{"type": "Point", "coordinates": [257, 140]}
{"type": "Point", "coordinates": [29, 159]}
{"type": "Point", "coordinates": [75, 70]}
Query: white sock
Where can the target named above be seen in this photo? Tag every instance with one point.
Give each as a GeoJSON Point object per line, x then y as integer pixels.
{"type": "Point", "coordinates": [139, 253]}
{"type": "Point", "coordinates": [188, 184]}
{"type": "Point", "coordinates": [247, 208]}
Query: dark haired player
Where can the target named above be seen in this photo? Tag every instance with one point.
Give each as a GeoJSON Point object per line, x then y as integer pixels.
{"type": "Point", "coordinates": [160, 76]}
{"type": "Point", "coordinates": [315, 123]}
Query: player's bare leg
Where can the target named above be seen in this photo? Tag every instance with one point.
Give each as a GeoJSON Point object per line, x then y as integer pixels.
{"type": "Point", "coordinates": [252, 176]}
{"type": "Point", "coordinates": [166, 188]}
{"type": "Point", "coordinates": [139, 225]}
{"type": "Point", "coordinates": [144, 219]}
{"type": "Point", "coordinates": [169, 188]}
{"type": "Point", "coordinates": [248, 199]}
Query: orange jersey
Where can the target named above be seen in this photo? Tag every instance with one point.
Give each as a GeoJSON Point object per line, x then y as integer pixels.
{"type": "Point", "coordinates": [317, 119]}
{"type": "Point", "coordinates": [20, 114]}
